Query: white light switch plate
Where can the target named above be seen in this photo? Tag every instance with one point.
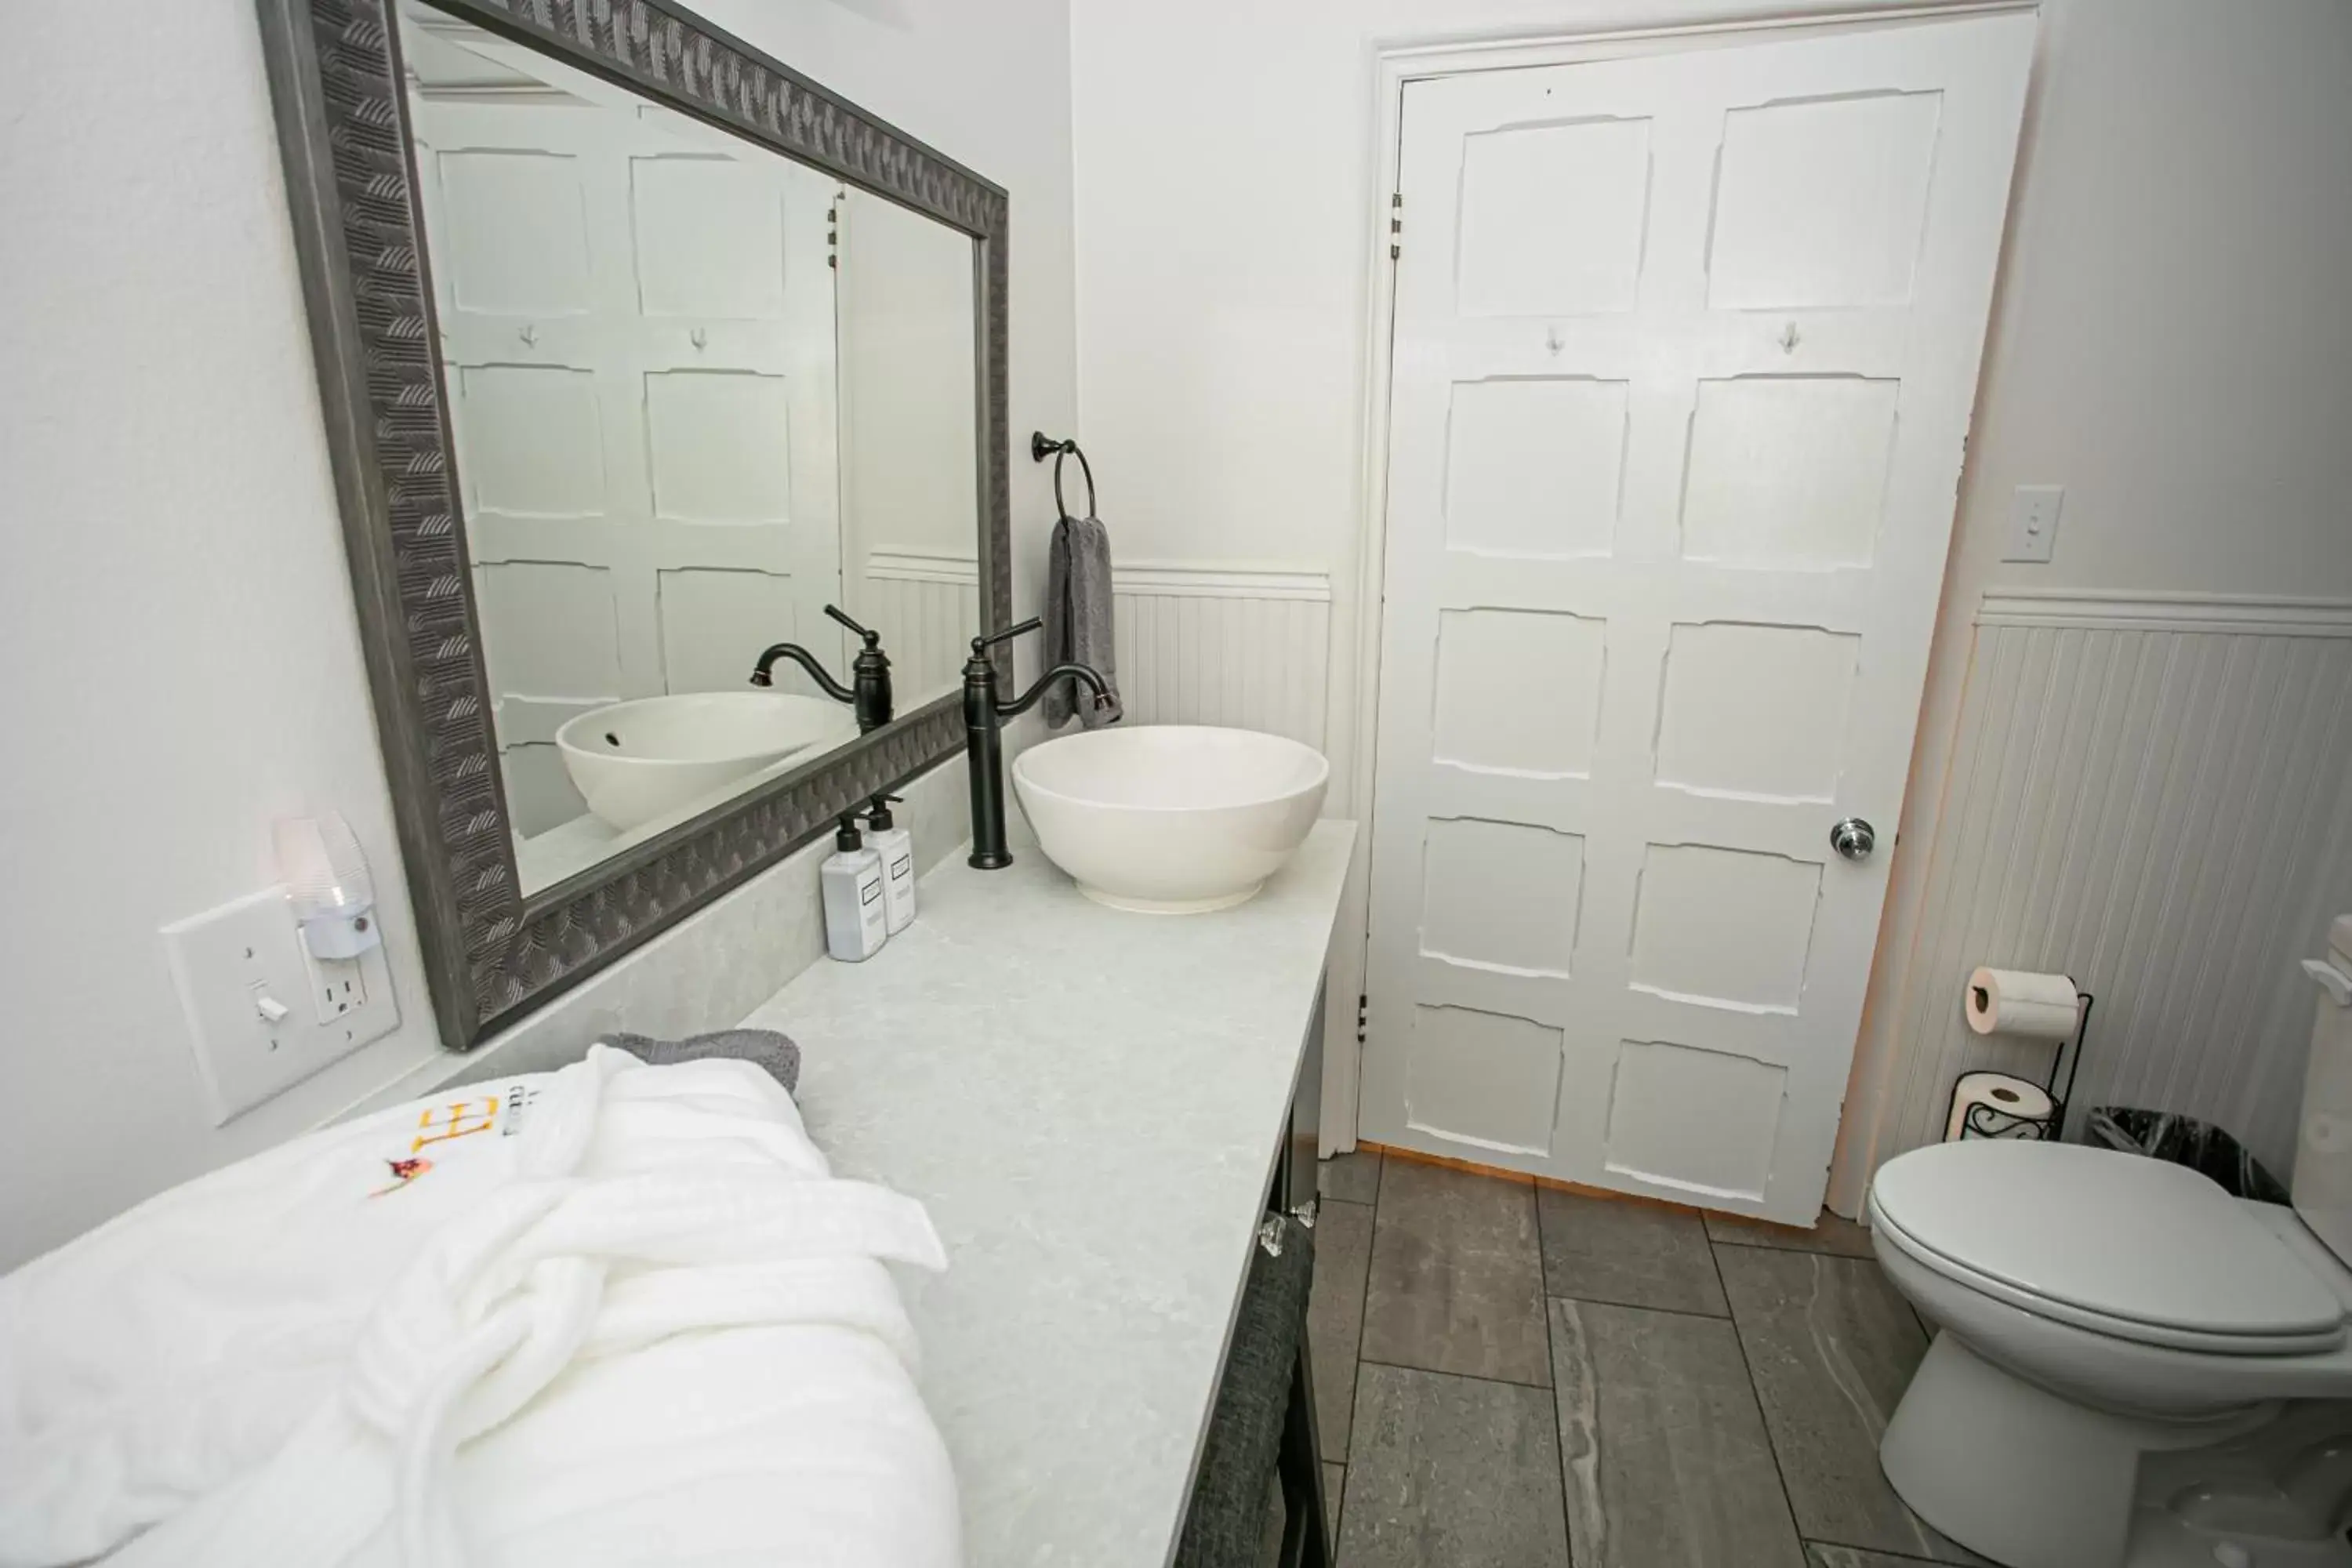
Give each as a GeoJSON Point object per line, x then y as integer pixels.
{"type": "Point", "coordinates": [2033, 522]}
{"type": "Point", "coordinates": [238, 964]}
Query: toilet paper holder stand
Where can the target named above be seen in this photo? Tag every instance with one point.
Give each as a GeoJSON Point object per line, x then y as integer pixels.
{"type": "Point", "coordinates": [1983, 1120]}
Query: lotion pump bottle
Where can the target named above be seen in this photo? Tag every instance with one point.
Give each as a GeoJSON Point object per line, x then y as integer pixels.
{"type": "Point", "coordinates": [896, 846]}
{"type": "Point", "coordinates": [851, 880]}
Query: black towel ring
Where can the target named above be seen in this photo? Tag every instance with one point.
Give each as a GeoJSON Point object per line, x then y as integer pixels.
{"type": "Point", "coordinates": [1042, 446]}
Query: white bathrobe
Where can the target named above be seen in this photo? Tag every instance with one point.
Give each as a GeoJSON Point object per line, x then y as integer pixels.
{"type": "Point", "coordinates": [615, 1314]}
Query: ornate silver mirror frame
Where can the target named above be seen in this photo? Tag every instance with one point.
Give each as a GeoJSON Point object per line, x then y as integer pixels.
{"type": "Point", "coordinates": [335, 78]}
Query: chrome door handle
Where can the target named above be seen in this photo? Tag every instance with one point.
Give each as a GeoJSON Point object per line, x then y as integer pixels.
{"type": "Point", "coordinates": [1853, 838]}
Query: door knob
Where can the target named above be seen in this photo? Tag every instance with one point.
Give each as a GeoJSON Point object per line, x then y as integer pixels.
{"type": "Point", "coordinates": [1853, 838]}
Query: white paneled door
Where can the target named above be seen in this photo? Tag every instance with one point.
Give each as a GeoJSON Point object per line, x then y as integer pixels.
{"type": "Point", "coordinates": [637, 334]}
{"type": "Point", "coordinates": [1685, 349]}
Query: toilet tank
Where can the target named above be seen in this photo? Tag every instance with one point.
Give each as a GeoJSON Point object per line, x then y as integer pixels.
{"type": "Point", "coordinates": [2323, 1148]}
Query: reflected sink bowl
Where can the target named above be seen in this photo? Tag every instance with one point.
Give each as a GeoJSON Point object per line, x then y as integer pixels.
{"type": "Point", "coordinates": [634, 762]}
{"type": "Point", "coordinates": [1170, 818]}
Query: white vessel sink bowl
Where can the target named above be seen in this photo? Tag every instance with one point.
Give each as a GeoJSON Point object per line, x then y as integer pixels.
{"type": "Point", "coordinates": [1170, 818]}
{"type": "Point", "coordinates": [634, 762]}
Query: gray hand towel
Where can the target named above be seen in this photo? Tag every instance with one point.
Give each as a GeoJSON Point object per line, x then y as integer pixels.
{"type": "Point", "coordinates": [762, 1047]}
{"type": "Point", "coordinates": [1079, 627]}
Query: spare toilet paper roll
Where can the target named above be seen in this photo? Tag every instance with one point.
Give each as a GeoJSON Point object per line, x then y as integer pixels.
{"type": "Point", "coordinates": [2016, 1002]}
{"type": "Point", "coordinates": [2012, 1097]}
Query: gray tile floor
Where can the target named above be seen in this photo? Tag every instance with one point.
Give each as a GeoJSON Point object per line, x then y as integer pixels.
{"type": "Point", "coordinates": [1524, 1377]}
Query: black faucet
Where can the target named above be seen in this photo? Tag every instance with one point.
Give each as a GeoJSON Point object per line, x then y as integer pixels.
{"type": "Point", "coordinates": [869, 673]}
{"type": "Point", "coordinates": [984, 731]}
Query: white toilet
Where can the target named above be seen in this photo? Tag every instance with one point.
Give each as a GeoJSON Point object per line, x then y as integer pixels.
{"type": "Point", "coordinates": [2131, 1367]}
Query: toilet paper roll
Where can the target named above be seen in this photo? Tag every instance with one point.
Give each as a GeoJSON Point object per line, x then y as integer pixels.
{"type": "Point", "coordinates": [2018, 1002]}
{"type": "Point", "coordinates": [2012, 1097]}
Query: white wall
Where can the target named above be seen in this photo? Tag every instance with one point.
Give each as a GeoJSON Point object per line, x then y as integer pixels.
{"type": "Point", "coordinates": [2169, 341]}
{"type": "Point", "coordinates": [2169, 338]}
{"type": "Point", "coordinates": [175, 616]}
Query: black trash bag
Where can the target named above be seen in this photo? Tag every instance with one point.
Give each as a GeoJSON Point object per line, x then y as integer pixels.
{"type": "Point", "coordinates": [2184, 1140]}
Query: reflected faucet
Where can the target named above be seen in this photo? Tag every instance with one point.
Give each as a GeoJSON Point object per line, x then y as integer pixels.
{"type": "Point", "coordinates": [983, 730]}
{"type": "Point", "coordinates": [869, 692]}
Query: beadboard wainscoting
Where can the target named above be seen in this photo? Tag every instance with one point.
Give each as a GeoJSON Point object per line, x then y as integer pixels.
{"type": "Point", "coordinates": [926, 605]}
{"type": "Point", "coordinates": [2152, 795]}
{"type": "Point", "coordinates": [1246, 647]}
{"type": "Point", "coordinates": [1197, 643]}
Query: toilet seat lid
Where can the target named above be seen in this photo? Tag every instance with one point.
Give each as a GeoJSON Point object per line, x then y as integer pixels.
{"type": "Point", "coordinates": [2133, 1239]}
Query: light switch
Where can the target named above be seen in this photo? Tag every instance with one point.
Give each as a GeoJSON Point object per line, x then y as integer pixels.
{"type": "Point", "coordinates": [241, 970]}
{"type": "Point", "coordinates": [2033, 521]}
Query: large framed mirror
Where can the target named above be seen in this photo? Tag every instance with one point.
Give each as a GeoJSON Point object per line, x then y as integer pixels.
{"type": "Point", "coordinates": [666, 391]}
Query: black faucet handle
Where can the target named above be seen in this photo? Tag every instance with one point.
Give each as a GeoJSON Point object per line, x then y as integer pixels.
{"type": "Point", "coordinates": [873, 639]}
{"type": "Point", "coordinates": [981, 645]}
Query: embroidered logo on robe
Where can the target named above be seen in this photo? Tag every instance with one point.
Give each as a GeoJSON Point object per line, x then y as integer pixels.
{"type": "Point", "coordinates": [403, 1173]}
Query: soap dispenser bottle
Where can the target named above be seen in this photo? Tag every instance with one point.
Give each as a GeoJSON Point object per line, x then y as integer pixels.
{"type": "Point", "coordinates": [896, 847]}
{"type": "Point", "coordinates": [851, 880]}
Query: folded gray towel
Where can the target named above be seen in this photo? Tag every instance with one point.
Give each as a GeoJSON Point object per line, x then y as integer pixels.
{"type": "Point", "coordinates": [1078, 627]}
{"type": "Point", "coordinates": [762, 1047]}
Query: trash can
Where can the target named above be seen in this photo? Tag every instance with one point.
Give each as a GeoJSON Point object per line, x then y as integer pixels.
{"type": "Point", "coordinates": [2184, 1140]}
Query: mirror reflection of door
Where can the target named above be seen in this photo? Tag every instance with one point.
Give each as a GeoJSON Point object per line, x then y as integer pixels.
{"type": "Point", "coordinates": [651, 351]}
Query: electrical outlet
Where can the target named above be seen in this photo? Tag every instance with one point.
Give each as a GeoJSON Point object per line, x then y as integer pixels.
{"type": "Point", "coordinates": [338, 986]}
{"type": "Point", "coordinates": [2033, 522]}
{"type": "Point", "coordinates": [243, 975]}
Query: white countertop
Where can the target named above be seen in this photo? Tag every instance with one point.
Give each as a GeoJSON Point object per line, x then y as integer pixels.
{"type": "Point", "coordinates": [1089, 1103]}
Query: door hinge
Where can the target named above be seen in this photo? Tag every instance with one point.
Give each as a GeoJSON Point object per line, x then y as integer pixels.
{"type": "Point", "coordinates": [1364, 1016]}
{"type": "Point", "coordinates": [832, 235]}
{"type": "Point", "coordinates": [1396, 225]}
